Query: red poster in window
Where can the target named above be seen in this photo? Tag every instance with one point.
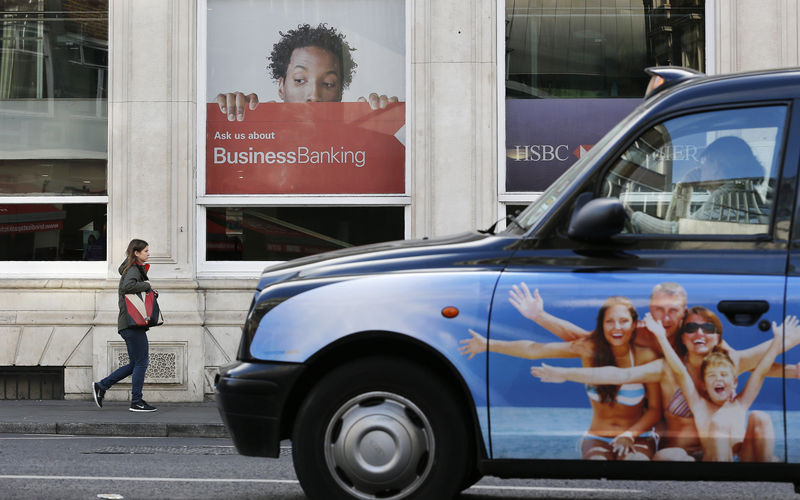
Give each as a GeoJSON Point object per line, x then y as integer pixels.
{"type": "Point", "coordinates": [306, 148]}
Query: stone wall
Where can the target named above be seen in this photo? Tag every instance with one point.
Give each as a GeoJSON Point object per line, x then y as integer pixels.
{"type": "Point", "coordinates": [72, 323]}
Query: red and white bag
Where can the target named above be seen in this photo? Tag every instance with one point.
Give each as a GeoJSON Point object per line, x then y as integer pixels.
{"type": "Point", "coordinates": [142, 309]}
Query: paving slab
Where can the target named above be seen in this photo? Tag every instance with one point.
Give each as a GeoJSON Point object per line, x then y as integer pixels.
{"type": "Point", "coordinates": [78, 417]}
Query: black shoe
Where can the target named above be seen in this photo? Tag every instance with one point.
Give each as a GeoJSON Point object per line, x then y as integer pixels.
{"type": "Point", "coordinates": [99, 394]}
{"type": "Point", "coordinates": [142, 406]}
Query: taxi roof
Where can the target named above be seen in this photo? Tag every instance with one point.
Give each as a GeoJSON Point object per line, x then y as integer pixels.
{"type": "Point", "coordinates": [701, 90]}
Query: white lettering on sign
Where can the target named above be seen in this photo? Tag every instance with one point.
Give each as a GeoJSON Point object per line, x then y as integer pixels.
{"type": "Point", "coordinates": [301, 156]}
{"type": "Point", "coordinates": [674, 152]}
{"type": "Point", "coordinates": [540, 152]}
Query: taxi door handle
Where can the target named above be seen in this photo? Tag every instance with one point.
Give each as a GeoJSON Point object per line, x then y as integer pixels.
{"type": "Point", "coordinates": [743, 312]}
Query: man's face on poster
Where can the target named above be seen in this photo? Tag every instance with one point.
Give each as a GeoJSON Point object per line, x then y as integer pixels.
{"type": "Point", "coordinates": [313, 75]}
{"type": "Point", "coordinates": [669, 309]}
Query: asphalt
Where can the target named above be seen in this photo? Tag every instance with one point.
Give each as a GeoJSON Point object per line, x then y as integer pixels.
{"type": "Point", "coordinates": [82, 417]}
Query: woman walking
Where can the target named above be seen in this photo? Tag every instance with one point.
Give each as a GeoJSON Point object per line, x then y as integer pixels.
{"type": "Point", "coordinates": [133, 280]}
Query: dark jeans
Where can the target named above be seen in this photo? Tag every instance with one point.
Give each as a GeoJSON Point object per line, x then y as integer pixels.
{"type": "Point", "coordinates": [138, 354]}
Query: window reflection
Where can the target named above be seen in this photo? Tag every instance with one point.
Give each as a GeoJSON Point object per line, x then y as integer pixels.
{"type": "Point", "coordinates": [53, 49]}
{"type": "Point", "coordinates": [706, 173]}
{"type": "Point", "coordinates": [597, 48]}
{"type": "Point", "coordinates": [53, 232]}
{"type": "Point", "coordinates": [65, 177]}
{"type": "Point", "coordinates": [284, 233]}
{"type": "Point", "coordinates": [53, 127]}
{"type": "Point", "coordinates": [53, 97]}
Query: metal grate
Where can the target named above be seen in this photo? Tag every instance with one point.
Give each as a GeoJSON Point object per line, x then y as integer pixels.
{"type": "Point", "coordinates": [31, 382]}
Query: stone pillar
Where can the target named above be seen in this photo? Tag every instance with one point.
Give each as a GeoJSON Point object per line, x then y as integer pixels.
{"type": "Point", "coordinates": [152, 127]}
{"type": "Point", "coordinates": [752, 35]}
{"type": "Point", "coordinates": [453, 139]}
{"type": "Point", "coordinates": [152, 132]}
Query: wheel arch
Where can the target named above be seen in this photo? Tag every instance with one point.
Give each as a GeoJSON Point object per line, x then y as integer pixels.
{"type": "Point", "coordinates": [380, 343]}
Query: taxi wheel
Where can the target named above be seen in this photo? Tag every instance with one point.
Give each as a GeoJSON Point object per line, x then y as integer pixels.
{"type": "Point", "coordinates": [382, 428]}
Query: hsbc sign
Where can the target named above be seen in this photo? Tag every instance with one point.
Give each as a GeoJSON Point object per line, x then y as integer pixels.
{"type": "Point", "coordinates": [544, 137]}
{"type": "Point", "coordinates": [542, 152]}
{"type": "Point", "coordinates": [547, 152]}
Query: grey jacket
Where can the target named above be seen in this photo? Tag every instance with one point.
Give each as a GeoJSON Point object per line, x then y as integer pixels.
{"type": "Point", "coordinates": [133, 281]}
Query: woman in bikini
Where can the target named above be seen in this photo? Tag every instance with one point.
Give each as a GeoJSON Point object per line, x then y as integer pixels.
{"type": "Point", "coordinates": [700, 334]}
{"type": "Point", "coordinates": [623, 416]}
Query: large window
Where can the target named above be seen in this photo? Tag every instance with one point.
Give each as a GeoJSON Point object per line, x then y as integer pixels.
{"type": "Point", "coordinates": [597, 48]}
{"type": "Point", "coordinates": [574, 68]}
{"type": "Point", "coordinates": [53, 131]}
{"type": "Point", "coordinates": [711, 173]}
{"type": "Point", "coordinates": [303, 147]}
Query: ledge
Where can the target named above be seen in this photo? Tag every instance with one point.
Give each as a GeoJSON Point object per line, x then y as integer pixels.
{"type": "Point", "coordinates": [91, 284]}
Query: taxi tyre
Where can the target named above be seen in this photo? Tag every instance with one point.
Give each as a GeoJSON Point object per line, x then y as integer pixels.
{"type": "Point", "coordinates": [395, 431]}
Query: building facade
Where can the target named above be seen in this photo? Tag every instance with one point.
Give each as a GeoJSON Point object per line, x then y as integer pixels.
{"type": "Point", "coordinates": [109, 116]}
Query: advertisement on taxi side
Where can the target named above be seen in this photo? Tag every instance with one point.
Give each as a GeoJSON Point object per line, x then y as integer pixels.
{"type": "Point", "coordinates": [609, 367]}
{"type": "Point", "coordinates": [635, 369]}
{"type": "Point", "coordinates": [305, 97]}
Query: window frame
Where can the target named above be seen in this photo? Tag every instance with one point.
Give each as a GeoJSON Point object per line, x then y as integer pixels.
{"type": "Point", "coordinates": [12, 269]}
{"type": "Point", "coordinates": [782, 144]}
{"type": "Point", "coordinates": [236, 269]}
{"type": "Point", "coordinates": [45, 269]}
{"type": "Point", "coordinates": [505, 198]}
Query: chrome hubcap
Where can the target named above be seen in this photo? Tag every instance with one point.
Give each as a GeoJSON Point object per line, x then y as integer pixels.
{"type": "Point", "coordinates": [379, 445]}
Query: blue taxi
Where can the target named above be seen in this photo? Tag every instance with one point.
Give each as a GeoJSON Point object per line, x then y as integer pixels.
{"type": "Point", "coordinates": [638, 320]}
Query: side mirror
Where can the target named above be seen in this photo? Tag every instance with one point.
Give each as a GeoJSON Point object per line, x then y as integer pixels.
{"type": "Point", "coordinates": [597, 219]}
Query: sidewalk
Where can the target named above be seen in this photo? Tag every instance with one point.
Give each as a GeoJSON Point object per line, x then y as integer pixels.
{"type": "Point", "coordinates": [114, 419]}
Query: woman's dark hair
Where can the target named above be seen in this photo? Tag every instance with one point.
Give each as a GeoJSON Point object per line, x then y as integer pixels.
{"type": "Point", "coordinates": [706, 314]}
{"type": "Point", "coordinates": [134, 246]}
{"type": "Point", "coordinates": [321, 36]}
{"type": "Point", "coordinates": [603, 355]}
{"type": "Point", "coordinates": [734, 157]}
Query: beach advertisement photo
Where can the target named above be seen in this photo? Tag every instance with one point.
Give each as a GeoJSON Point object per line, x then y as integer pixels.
{"type": "Point", "coordinates": [305, 97]}
{"type": "Point", "coordinates": [615, 367]}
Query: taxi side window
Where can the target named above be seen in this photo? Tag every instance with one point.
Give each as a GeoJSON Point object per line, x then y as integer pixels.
{"type": "Point", "coordinates": [710, 173]}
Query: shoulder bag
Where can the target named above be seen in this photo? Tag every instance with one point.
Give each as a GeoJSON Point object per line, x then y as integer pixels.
{"type": "Point", "coordinates": [142, 309]}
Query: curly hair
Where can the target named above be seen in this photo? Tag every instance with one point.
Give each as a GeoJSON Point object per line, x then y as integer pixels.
{"type": "Point", "coordinates": [321, 36]}
{"type": "Point", "coordinates": [603, 355]}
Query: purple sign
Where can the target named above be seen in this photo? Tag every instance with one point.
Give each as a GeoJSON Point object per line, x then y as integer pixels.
{"type": "Point", "coordinates": [545, 136]}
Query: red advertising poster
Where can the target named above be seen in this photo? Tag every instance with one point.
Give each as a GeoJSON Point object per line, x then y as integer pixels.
{"type": "Point", "coordinates": [306, 148]}
{"type": "Point", "coordinates": [305, 97]}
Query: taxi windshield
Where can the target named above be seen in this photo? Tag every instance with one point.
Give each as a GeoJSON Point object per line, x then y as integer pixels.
{"type": "Point", "coordinates": [536, 210]}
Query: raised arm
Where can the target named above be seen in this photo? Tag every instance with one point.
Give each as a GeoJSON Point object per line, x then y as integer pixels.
{"type": "Point", "coordinates": [532, 307]}
{"type": "Point", "coordinates": [786, 333]}
{"type": "Point", "coordinates": [674, 363]}
{"type": "Point", "coordinates": [747, 359]}
{"type": "Point", "coordinates": [779, 370]}
{"type": "Point", "coordinates": [601, 375]}
{"type": "Point", "coordinates": [517, 348]}
{"type": "Point", "coordinates": [791, 370]}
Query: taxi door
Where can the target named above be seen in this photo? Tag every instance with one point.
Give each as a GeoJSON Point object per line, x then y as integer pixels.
{"type": "Point", "coordinates": [707, 227]}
